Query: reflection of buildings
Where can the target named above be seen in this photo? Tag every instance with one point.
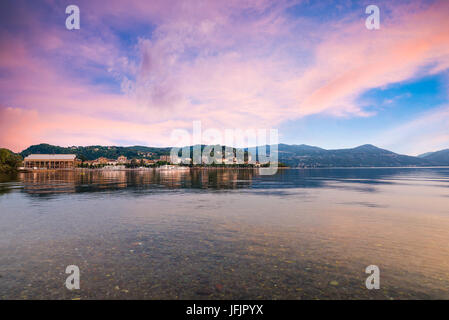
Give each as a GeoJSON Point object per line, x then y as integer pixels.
{"type": "Point", "coordinates": [70, 181]}
{"type": "Point", "coordinates": [43, 182]}
{"type": "Point", "coordinates": [48, 182]}
{"type": "Point", "coordinates": [50, 161]}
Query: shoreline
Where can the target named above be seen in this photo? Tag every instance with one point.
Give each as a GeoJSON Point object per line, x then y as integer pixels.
{"type": "Point", "coordinates": [182, 168]}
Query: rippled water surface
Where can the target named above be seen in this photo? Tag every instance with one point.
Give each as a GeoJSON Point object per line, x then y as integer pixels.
{"type": "Point", "coordinates": [225, 234]}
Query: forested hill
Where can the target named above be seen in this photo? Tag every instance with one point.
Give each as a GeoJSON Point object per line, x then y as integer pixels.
{"type": "Point", "coordinates": [94, 152]}
{"type": "Point", "coordinates": [441, 156]}
{"type": "Point", "coordinates": [362, 156]}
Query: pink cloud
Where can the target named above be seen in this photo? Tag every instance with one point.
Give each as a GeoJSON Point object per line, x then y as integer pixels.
{"type": "Point", "coordinates": [231, 64]}
{"type": "Point", "coordinates": [72, 129]}
{"type": "Point", "coordinates": [351, 61]}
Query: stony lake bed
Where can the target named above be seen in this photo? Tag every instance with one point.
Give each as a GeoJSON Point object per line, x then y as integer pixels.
{"type": "Point", "coordinates": [226, 234]}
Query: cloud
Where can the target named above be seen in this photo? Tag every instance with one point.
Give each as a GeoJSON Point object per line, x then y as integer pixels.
{"type": "Point", "coordinates": [266, 81]}
{"type": "Point", "coordinates": [231, 64]}
{"type": "Point", "coordinates": [72, 129]}
{"type": "Point", "coordinates": [427, 132]}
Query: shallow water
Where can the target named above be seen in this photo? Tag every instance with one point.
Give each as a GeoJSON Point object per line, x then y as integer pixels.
{"type": "Point", "coordinates": [226, 234]}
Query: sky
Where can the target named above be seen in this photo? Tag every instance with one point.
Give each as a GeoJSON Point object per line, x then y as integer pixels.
{"type": "Point", "coordinates": [137, 70]}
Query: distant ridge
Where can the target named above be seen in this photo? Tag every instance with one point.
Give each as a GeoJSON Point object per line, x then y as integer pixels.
{"type": "Point", "coordinates": [292, 155]}
{"type": "Point", "coordinates": [362, 156]}
{"type": "Point", "coordinates": [441, 156]}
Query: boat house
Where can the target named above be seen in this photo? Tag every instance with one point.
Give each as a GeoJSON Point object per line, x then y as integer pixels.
{"type": "Point", "coordinates": [50, 161]}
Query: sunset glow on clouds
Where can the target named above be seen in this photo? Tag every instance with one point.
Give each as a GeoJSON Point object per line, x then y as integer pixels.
{"type": "Point", "coordinates": [136, 70]}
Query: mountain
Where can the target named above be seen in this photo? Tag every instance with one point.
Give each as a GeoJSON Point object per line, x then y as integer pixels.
{"type": "Point", "coordinates": [291, 155]}
{"type": "Point", "coordinates": [424, 154]}
{"type": "Point", "coordinates": [362, 156]}
{"type": "Point", "coordinates": [301, 148]}
{"type": "Point", "coordinates": [439, 157]}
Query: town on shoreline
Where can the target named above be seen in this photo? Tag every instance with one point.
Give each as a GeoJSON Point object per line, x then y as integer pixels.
{"type": "Point", "coordinates": [45, 156]}
{"type": "Point", "coordinates": [71, 161]}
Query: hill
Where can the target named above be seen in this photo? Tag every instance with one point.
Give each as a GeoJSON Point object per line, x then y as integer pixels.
{"type": "Point", "coordinates": [362, 156]}
{"type": "Point", "coordinates": [441, 157]}
{"type": "Point", "coordinates": [291, 155]}
{"type": "Point", "coordinates": [95, 152]}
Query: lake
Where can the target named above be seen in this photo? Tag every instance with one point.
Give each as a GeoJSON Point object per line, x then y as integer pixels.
{"type": "Point", "coordinates": [226, 234]}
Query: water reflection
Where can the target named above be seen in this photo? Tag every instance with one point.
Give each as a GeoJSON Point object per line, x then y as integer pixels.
{"type": "Point", "coordinates": [226, 234]}
{"type": "Point", "coordinates": [52, 182]}
{"type": "Point", "coordinates": [364, 180]}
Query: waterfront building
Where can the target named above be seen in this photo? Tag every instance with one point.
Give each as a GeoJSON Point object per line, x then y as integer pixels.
{"type": "Point", "coordinates": [165, 158]}
{"type": "Point", "coordinates": [50, 161]}
{"type": "Point", "coordinates": [102, 160]}
{"type": "Point", "coordinates": [122, 160]}
{"type": "Point", "coordinates": [148, 161]}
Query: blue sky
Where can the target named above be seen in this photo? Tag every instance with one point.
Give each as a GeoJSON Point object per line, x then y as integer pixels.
{"type": "Point", "coordinates": [391, 106]}
{"type": "Point", "coordinates": [138, 70]}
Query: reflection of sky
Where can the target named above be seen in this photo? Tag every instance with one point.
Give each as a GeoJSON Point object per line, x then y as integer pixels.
{"type": "Point", "coordinates": [285, 183]}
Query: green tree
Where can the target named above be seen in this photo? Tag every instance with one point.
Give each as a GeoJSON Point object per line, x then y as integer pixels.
{"type": "Point", "coordinates": [9, 161]}
{"type": "Point", "coordinates": [82, 157]}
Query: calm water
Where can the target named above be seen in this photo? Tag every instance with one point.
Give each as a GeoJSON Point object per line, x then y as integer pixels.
{"type": "Point", "coordinates": [226, 234]}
